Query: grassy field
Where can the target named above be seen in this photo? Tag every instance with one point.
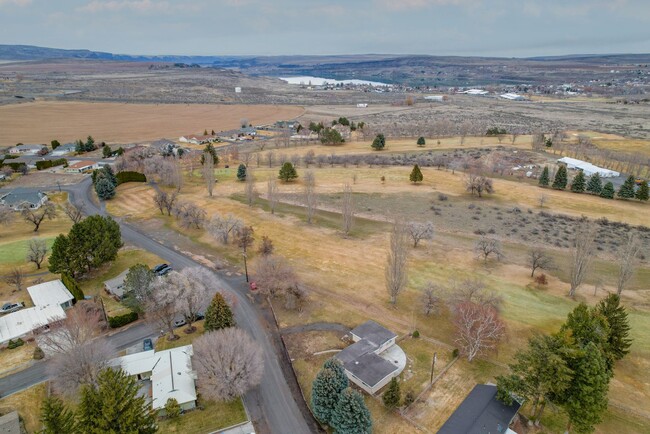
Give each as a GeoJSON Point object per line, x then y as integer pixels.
{"type": "Point", "coordinates": [40, 122]}
{"type": "Point", "coordinates": [346, 283]}
{"type": "Point", "coordinates": [28, 404]}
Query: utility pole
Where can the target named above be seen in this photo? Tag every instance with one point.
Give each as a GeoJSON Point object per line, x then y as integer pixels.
{"type": "Point", "coordinates": [433, 365]}
{"type": "Point", "coordinates": [245, 266]}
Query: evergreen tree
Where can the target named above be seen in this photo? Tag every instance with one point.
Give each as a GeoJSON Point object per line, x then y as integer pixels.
{"type": "Point", "coordinates": [55, 144]}
{"type": "Point", "coordinates": [578, 184]}
{"type": "Point", "coordinates": [287, 172]}
{"type": "Point", "coordinates": [113, 405]}
{"type": "Point", "coordinates": [416, 175]}
{"type": "Point", "coordinates": [560, 181]}
{"type": "Point", "coordinates": [608, 191]}
{"type": "Point", "coordinates": [589, 326]}
{"type": "Point", "coordinates": [618, 341]}
{"type": "Point", "coordinates": [105, 189]}
{"type": "Point", "coordinates": [172, 408]}
{"type": "Point", "coordinates": [627, 189]}
{"type": "Point", "coordinates": [218, 314]}
{"type": "Point", "coordinates": [325, 393]}
{"type": "Point", "coordinates": [379, 143]}
{"type": "Point", "coordinates": [56, 418]}
{"type": "Point", "coordinates": [421, 141]}
{"type": "Point", "coordinates": [393, 395]}
{"type": "Point", "coordinates": [351, 416]}
{"type": "Point", "coordinates": [544, 178]}
{"type": "Point", "coordinates": [642, 192]}
{"type": "Point", "coordinates": [585, 400]}
{"type": "Point", "coordinates": [209, 148]}
{"type": "Point", "coordinates": [595, 185]}
{"type": "Point", "coordinates": [539, 372]}
{"type": "Point", "coordinates": [336, 366]}
{"type": "Point", "coordinates": [107, 151]}
{"type": "Point", "coordinates": [241, 172]}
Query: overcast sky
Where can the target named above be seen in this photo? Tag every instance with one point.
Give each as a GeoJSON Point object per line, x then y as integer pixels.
{"type": "Point", "coordinates": [268, 27]}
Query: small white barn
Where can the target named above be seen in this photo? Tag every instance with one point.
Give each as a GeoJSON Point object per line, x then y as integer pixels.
{"type": "Point", "coordinates": [52, 293]}
{"type": "Point", "coordinates": [169, 372]}
{"type": "Point", "coordinates": [588, 168]}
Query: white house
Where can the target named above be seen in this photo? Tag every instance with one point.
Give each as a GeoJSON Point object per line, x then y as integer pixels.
{"type": "Point", "coordinates": [26, 149]}
{"type": "Point", "coordinates": [81, 167]}
{"type": "Point", "coordinates": [52, 293]}
{"type": "Point", "coordinates": [169, 374]}
{"type": "Point", "coordinates": [27, 321]}
{"type": "Point", "coordinates": [374, 358]}
{"type": "Point", "coordinates": [588, 168]}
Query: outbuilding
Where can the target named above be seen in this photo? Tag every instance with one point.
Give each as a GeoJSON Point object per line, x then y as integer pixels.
{"type": "Point", "coordinates": [587, 168]}
{"type": "Point", "coordinates": [115, 286]}
{"type": "Point", "coordinates": [52, 293]}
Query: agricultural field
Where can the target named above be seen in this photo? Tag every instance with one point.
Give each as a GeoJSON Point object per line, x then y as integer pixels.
{"type": "Point", "coordinates": [43, 121]}
{"type": "Point", "coordinates": [345, 277]}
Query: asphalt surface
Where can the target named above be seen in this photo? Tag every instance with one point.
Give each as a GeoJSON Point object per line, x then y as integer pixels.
{"type": "Point", "coordinates": [271, 405]}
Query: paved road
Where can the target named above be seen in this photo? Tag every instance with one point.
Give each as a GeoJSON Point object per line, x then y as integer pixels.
{"type": "Point", "coordinates": [271, 405]}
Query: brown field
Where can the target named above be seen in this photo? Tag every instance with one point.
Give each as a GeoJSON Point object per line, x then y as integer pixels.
{"type": "Point", "coordinates": [42, 121]}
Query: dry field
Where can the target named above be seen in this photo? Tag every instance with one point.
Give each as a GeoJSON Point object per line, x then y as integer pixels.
{"type": "Point", "coordinates": [40, 122]}
{"type": "Point", "coordinates": [346, 282]}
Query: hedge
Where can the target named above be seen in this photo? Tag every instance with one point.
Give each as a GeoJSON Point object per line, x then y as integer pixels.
{"type": "Point", "coordinates": [122, 320]}
{"type": "Point", "coordinates": [127, 176]}
{"type": "Point", "coordinates": [72, 286]}
{"type": "Point", "coordinates": [46, 164]}
{"type": "Point", "coordinates": [15, 166]}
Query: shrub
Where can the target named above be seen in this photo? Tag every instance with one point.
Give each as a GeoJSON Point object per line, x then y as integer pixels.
{"type": "Point", "coordinates": [72, 286]}
{"type": "Point", "coordinates": [442, 197]}
{"type": "Point", "coordinates": [540, 279]}
{"type": "Point", "coordinates": [129, 176]}
{"type": "Point", "coordinates": [409, 397]}
{"type": "Point", "coordinates": [455, 353]}
{"type": "Point", "coordinates": [122, 320]}
{"type": "Point", "coordinates": [39, 354]}
{"type": "Point", "coordinates": [416, 334]}
{"type": "Point", "coordinates": [15, 344]}
{"type": "Point", "coordinates": [172, 408]}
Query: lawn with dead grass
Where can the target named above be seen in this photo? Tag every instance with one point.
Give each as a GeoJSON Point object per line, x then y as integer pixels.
{"type": "Point", "coordinates": [28, 404]}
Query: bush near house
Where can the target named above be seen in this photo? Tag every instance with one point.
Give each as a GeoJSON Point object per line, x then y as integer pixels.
{"type": "Point", "coordinates": [129, 176]}
{"type": "Point", "coordinates": [40, 165]}
{"type": "Point", "coordinates": [15, 344]}
{"type": "Point", "coordinates": [122, 320]}
{"type": "Point", "coordinates": [72, 286]}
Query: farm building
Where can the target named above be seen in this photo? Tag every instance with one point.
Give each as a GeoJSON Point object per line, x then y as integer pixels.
{"type": "Point", "coordinates": [167, 373]}
{"type": "Point", "coordinates": [374, 358]}
{"type": "Point", "coordinates": [475, 92]}
{"type": "Point", "coordinates": [481, 412]}
{"type": "Point", "coordinates": [513, 97]}
{"type": "Point", "coordinates": [588, 168]}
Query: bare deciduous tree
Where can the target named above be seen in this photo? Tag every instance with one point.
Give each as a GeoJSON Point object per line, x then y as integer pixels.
{"type": "Point", "coordinates": [272, 194]}
{"type": "Point", "coordinates": [274, 276]}
{"type": "Point", "coordinates": [208, 172]}
{"type": "Point", "coordinates": [486, 246]}
{"type": "Point", "coordinates": [161, 307]}
{"type": "Point", "coordinates": [193, 292]}
{"type": "Point", "coordinates": [160, 199]}
{"type": "Point", "coordinates": [419, 231]}
{"type": "Point", "coordinates": [308, 158]}
{"type": "Point", "coordinates": [16, 278]}
{"type": "Point", "coordinates": [478, 329]}
{"type": "Point", "coordinates": [74, 212]}
{"type": "Point", "coordinates": [6, 215]}
{"type": "Point", "coordinates": [228, 363]}
{"type": "Point", "coordinates": [473, 291]}
{"type": "Point", "coordinates": [396, 262]}
{"type": "Point", "coordinates": [347, 210]}
{"type": "Point", "coordinates": [542, 199]}
{"type": "Point", "coordinates": [36, 252]}
{"type": "Point", "coordinates": [270, 158]}
{"type": "Point", "coordinates": [627, 262]}
{"type": "Point", "coordinates": [78, 353]}
{"type": "Point", "coordinates": [431, 298]}
{"type": "Point", "coordinates": [478, 184]}
{"type": "Point", "coordinates": [189, 215]}
{"type": "Point", "coordinates": [251, 193]}
{"type": "Point", "coordinates": [582, 255]}
{"type": "Point", "coordinates": [309, 193]}
{"type": "Point", "coordinates": [538, 258]}
{"type": "Point", "coordinates": [222, 227]}
{"type": "Point", "coordinates": [36, 216]}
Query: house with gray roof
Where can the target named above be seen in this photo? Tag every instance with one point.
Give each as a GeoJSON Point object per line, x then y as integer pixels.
{"type": "Point", "coordinates": [374, 358]}
{"type": "Point", "coordinates": [26, 149]}
{"type": "Point", "coordinates": [115, 286]}
{"type": "Point", "coordinates": [21, 198]}
{"type": "Point", "coordinates": [481, 413]}
{"type": "Point", "coordinates": [68, 148]}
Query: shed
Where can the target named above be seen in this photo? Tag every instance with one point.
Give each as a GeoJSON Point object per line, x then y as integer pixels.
{"type": "Point", "coordinates": [52, 293]}
{"type": "Point", "coordinates": [115, 286]}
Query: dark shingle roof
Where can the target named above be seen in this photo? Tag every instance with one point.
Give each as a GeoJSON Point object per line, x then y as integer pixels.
{"type": "Point", "coordinates": [481, 413]}
{"type": "Point", "coordinates": [370, 368]}
{"type": "Point", "coordinates": [373, 332]}
{"type": "Point", "coordinates": [20, 195]}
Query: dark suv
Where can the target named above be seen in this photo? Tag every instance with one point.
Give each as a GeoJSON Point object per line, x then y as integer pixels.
{"type": "Point", "coordinates": [161, 269]}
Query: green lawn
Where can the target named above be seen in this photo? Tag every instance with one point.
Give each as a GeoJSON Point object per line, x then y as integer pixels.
{"type": "Point", "coordinates": [211, 417]}
{"type": "Point", "coordinates": [15, 252]}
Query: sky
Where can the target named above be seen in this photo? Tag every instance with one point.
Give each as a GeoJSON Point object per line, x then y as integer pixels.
{"type": "Point", "coordinates": [508, 28]}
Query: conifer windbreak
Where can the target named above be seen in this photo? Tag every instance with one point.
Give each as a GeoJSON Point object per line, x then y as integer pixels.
{"type": "Point", "coordinates": [544, 178]}
{"type": "Point", "coordinates": [627, 189]}
{"type": "Point", "coordinates": [578, 184]}
{"type": "Point", "coordinates": [642, 192]}
{"type": "Point", "coordinates": [560, 181]}
{"type": "Point", "coordinates": [351, 416]}
{"type": "Point", "coordinates": [218, 314]}
{"type": "Point", "coordinates": [595, 184]}
{"type": "Point", "coordinates": [416, 175]}
{"type": "Point", "coordinates": [608, 191]}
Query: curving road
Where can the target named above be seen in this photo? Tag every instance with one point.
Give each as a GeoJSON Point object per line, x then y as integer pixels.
{"type": "Point", "coordinates": [271, 405]}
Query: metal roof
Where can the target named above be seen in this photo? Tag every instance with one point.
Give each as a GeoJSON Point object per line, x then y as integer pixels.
{"type": "Point", "coordinates": [22, 322]}
{"type": "Point", "coordinates": [52, 293]}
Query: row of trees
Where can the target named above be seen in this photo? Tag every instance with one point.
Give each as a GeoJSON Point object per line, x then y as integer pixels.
{"type": "Point", "coordinates": [594, 185]}
{"type": "Point", "coordinates": [572, 368]}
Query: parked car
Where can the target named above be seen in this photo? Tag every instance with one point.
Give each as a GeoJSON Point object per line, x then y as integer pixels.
{"type": "Point", "coordinates": [161, 269]}
{"type": "Point", "coordinates": [147, 345]}
{"type": "Point", "coordinates": [179, 322]}
{"type": "Point", "coordinates": [11, 307]}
